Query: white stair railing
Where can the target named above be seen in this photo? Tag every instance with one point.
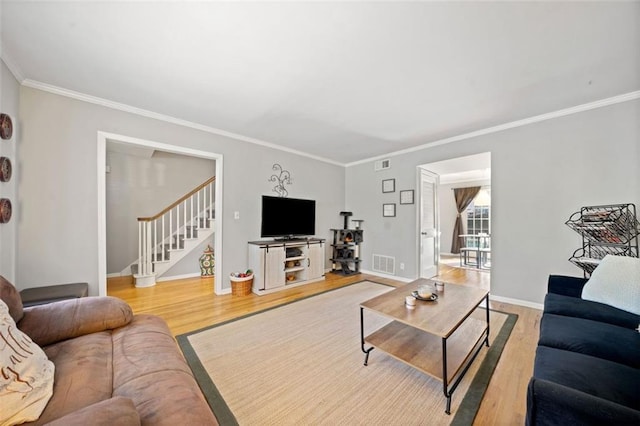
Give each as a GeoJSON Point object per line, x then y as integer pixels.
{"type": "Point", "coordinates": [161, 232]}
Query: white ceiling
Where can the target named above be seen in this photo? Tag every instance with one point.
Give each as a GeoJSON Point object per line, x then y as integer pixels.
{"type": "Point", "coordinates": [343, 81]}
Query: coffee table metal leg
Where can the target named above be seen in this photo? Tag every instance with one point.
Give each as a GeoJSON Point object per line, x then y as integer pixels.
{"type": "Point", "coordinates": [445, 384]}
{"type": "Point", "coordinates": [448, 392]}
{"type": "Point", "coordinates": [488, 326]}
{"type": "Point", "coordinates": [366, 351]}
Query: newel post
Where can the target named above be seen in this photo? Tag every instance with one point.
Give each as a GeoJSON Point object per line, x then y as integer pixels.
{"type": "Point", "coordinates": [145, 276]}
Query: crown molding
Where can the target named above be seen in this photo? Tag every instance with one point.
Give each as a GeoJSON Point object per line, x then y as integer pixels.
{"type": "Point", "coordinates": [166, 118]}
{"type": "Point", "coordinates": [11, 64]}
{"type": "Point", "coordinates": [513, 124]}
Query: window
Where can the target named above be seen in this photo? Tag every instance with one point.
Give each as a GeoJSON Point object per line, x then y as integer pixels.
{"type": "Point", "coordinates": [479, 213]}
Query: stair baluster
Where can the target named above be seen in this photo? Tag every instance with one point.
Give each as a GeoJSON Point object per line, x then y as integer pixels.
{"type": "Point", "coordinates": [170, 228]}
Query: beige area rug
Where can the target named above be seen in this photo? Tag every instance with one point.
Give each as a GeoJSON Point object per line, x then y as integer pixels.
{"type": "Point", "coordinates": [301, 364]}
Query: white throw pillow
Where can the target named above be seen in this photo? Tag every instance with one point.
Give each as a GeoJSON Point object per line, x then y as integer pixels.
{"type": "Point", "coordinates": [616, 282]}
{"type": "Point", "coordinates": [26, 375]}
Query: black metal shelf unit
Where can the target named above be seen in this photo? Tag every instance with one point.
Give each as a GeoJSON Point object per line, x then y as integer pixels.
{"type": "Point", "coordinates": [608, 229]}
{"type": "Point", "coordinates": [345, 255]}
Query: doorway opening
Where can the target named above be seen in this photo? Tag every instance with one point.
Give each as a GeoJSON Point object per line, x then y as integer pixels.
{"type": "Point", "coordinates": [463, 225]}
{"type": "Point", "coordinates": [129, 144]}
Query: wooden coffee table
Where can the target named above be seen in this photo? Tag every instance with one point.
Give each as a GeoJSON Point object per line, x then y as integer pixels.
{"type": "Point", "coordinates": [438, 338]}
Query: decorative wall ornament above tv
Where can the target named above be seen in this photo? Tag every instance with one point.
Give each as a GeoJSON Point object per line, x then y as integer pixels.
{"type": "Point", "coordinates": [284, 177]}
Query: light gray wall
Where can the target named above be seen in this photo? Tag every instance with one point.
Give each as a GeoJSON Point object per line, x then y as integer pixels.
{"type": "Point", "coordinates": [190, 264]}
{"type": "Point", "coordinates": [540, 173]}
{"type": "Point", "coordinates": [448, 211]}
{"type": "Point", "coordinates": [58, 228]}
{"type": "Point", "coordinates": [139, 186]}
{"type": "Point", "coordinates": [9, 104]}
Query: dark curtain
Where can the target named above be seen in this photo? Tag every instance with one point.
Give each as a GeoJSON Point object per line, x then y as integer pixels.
{"type": "Point", "coordinates": [464, 197]}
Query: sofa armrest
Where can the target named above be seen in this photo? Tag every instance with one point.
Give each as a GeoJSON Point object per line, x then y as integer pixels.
{"type": "Point", "coordinates": [549, 403]}
{"type": "Point", "coordinates": [115, 411]}
{"type": "Point", "coordinates": [566, 286]}
{"type": "Point", "coordinates": [46, 324]}
{"type": "Point", "coordinates": [53, 293]}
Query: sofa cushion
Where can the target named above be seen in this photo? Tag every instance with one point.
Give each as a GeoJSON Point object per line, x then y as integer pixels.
{"type": "Point", "coordinates": [10, 296]}
{"type": "Point", "coordinates": [47, 324]}
{"type": "Point", "coordinates": [575, 307]}
{"type": "Point", "coordinates": [113, 411]}
{"type": "Point", "coordinates": [594, 338]}
{"type": "Point", "coordinates": [26, 374]}
{"type": "Point", "coordinates": [616, 282]}
{"type": "Point", "coordinates": [598, 377]}
{"type": "Point", "coordinates": [150, 369]}
{"type": "Point", "coordinates": [84, 374]}
{"type": "Point", "coordinates": [53, 293]}
{"type": "Point", "coordinates": [549, 403]}
{"type": "Point", "coordinates": [565, 285]}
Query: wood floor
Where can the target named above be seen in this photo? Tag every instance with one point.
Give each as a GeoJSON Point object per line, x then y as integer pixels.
{"type": "Point", "coordinates": [190, 304]}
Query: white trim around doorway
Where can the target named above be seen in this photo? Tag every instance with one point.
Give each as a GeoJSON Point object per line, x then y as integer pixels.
{"type": "Point", "coordinates": [103, 137]}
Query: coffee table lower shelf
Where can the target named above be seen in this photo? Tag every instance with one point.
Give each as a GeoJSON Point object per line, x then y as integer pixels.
{"type": "Point", "coordinates": [446, 358]}
{"type": "Point", "coordinates": [423, 351]}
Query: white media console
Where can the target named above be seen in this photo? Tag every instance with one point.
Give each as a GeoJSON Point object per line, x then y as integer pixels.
{"type": "Point", "coordinates": [280, 264]}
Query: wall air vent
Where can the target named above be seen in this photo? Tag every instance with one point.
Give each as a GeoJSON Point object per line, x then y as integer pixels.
{"type": "Point", "coordinates": [382, 165]}
{"type": "Point", "coordinates": [384, 264]}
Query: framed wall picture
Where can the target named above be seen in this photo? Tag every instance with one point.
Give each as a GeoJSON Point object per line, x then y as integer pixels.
{"type": "Point", "coordinates": [389, 210]}
{"type": "Point", "coordinates": [388, 185]}
{"type": "Point", "coordinates": [406, 197]}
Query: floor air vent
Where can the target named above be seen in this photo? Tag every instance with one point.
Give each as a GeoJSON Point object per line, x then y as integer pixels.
{"type": "Point", "coordinates": [384, 264]}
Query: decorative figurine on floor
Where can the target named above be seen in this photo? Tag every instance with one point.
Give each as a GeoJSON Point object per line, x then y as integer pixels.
{"type": "Point", "coordinates": [207, 262]}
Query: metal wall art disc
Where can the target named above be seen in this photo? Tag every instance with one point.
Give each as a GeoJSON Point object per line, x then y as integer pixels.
{"type": "Point", "coordinates": [5, 210]}
{"type": "Point", "coordinates": [5, 169]}
{"type": "Point", "coordinates": [6, 126]}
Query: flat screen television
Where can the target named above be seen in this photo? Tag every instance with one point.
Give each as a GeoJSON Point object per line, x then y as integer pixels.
{"type": "Point", "coordinates": [287, 217]}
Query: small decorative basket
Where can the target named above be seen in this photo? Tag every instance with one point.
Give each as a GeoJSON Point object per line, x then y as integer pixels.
{"type": "Point", "coordinates": [241, 286]}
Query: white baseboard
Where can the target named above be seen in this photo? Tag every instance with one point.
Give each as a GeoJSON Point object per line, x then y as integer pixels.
{"type": "Point", "coordinates": [518, 302]}
{"type": "Point", "coordinates": [159, 280]}
{"type": "Point", "coordinates": [115, 275]}
{"type": "Point", "coordinates": [225, 291]}
{"type": "Point", "coordinates": [178, 277]}
{"type": "Point", "coordinates": [393, 277]}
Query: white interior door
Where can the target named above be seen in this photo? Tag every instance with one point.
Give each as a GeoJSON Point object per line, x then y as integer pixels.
{"type": "Point", "coordinates": [429, 235]}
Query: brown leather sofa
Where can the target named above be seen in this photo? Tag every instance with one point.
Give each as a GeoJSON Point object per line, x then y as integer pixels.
{"type": "Point", "coordinates": [111, 367]}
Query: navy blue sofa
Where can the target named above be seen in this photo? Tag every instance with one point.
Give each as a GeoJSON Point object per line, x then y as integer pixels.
{"type": "Point", "coordinates": [587, 365]}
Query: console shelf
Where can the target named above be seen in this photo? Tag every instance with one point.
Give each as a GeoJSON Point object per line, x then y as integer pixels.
{"type": "Point", "coordinates": [282, 264]}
